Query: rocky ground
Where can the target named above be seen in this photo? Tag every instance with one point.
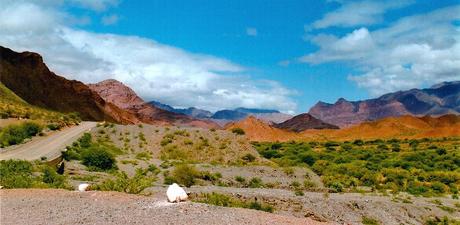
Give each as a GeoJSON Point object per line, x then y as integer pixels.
{"type": "Point", "coordinates": [34, 206]}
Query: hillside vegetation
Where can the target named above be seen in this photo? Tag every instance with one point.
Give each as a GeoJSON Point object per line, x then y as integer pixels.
{"type": "Point", "coordinates": [427, 167]}
{"type": "Point", "coordinates": [12, 106]}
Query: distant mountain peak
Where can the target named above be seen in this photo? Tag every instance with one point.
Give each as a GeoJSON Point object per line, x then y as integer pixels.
{"type": "Point", "coordinates": [303, 122]}
{"type": "Point", "coordinates": [440, 99]}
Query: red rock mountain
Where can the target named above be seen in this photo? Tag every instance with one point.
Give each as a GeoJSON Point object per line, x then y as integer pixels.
{"type": "Point", "coordinates": [303, 122]}
{"type": "Point", "coordinates": [438, 100]}
{"type": "Point", "coordinates": [125, 98]}
{"type": "Point", "coordinates": [28, 77]}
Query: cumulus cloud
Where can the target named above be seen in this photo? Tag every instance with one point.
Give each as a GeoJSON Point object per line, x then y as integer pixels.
{"type": "Point", "coordinates": [352, 13]}
{"type": "Point", "coordinates": [155, 71]}
{"type": "Point", "coordinates": [413, 51]}
{"type": "Point", "coordinates": [109, 19]}
{"type": "Point", "coordinates": [96, 5]}
{"type": "Point", "coordinates": [250, 31]}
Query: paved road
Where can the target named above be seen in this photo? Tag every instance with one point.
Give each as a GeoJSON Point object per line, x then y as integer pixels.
{"type": "Point", "coordinates": [49, 146]}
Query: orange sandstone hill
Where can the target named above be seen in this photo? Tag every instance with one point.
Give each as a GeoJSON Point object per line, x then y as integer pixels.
{"type": "Point", "coordinates": [392, 127]}
{"type": "Point", "coordinates": [28, 77]}
{"type": "Point", "coordinates": [125, 98]}
{"type": "Point", "coordinates": [259, 130]}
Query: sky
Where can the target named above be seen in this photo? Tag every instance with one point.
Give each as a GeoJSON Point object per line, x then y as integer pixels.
{"type": "Point", "coordinates": [278, 54]}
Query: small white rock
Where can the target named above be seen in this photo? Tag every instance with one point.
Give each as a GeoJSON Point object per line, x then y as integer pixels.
{"type": "Point", "coordinates": [175, 193]}
{"type": "Point", "coordinates": [83, 187]}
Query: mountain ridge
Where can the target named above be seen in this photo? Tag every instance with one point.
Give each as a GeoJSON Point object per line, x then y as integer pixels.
{"type": "Point", "coordinates": [440, 99]}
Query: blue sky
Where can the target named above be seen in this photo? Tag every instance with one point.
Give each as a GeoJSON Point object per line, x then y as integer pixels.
{"type": "Point", "coordinates": [285, 55]}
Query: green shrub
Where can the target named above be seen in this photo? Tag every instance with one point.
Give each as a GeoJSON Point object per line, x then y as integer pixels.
{"type": "Point", "coordinates": [16, 134]}
{"type": "Point", "coordinates": [53, 179]}
{"type": "Point", "coordinates": [249, 157]}
{"type": "Point", "coordinates": [369, 221]}
{"type": "Point", "coordinates": [133, 185]}
{"type": "Point", "coordinates": [255, 183]}
{"type": "Point", "coordinates": [229, 201]}
{"type": "Point", "coordinates": [143, 156]}
{"type": "Point", "coordinates": [53, 126]}
{"type": "Point", "coordinates": [98, 159]}
{"type": "Point", "coordinates": [185, 175]}
{"type": "Point", "coordinates": [16, 174]}
{"type": "Point", "coordinates": [238, 131]}
{"type": "Point", "coordinates": [240, 179]}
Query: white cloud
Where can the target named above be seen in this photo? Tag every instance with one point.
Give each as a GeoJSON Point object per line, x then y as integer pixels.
{"type": "Point", "coordinates": [360, 13]}
{"type": "Point", "coordinates": [250, 31]}
{"type": "Point", "coordinates": [154, 70]}
{"type": "Point", "coordinates": [412, 52]}
{"type": "Point", "coordinates": [96, 5]}
{"type": "Point", "coordinates": [109, 19]}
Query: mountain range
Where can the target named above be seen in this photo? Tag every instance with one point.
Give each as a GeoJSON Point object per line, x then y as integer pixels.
{"type": "Point", "coordinates": [391, 127]}
{"type": "Point", "coordinates": [440, 99]}
{"type": "Point", "coordinates": [27, 76]}
{"type": "Point", "coordinates": [227, 115]}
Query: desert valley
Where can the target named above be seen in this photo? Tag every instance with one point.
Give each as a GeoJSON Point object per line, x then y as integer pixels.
{"type": "Point", "coordinates": [390, 160]}
{"type": "Point", "coordinates": [230, 112]}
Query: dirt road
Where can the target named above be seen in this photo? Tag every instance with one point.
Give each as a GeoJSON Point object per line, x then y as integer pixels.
{"type": "Point", "coordinates": [49, 146]}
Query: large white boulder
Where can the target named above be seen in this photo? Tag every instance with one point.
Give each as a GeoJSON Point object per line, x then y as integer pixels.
{"type": "Point", "coordinates": [175, 193]}
{"type": "Point", "coordinates": [83, 187]}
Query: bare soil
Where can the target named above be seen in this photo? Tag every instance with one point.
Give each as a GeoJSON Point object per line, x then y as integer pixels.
{"type": "Point", "coordinates": [33, 206]}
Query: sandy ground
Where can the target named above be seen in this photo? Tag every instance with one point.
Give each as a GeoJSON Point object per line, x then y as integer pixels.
{"type": "Point", "coordinates": [34, 206]}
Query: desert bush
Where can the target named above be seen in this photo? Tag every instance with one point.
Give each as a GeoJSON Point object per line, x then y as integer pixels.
{"type": "Point", "coordinates": [53, 179]}
{"type": "Point", "coordinates": [133, 185]}
{"type": "Point", "coordinates": [255, 183]}
{"type": "Point", "coordinates": [369, 221]}
{"type": "Point", "coordinates": [185, 175]}
{"type": "Point", "coordinates": [238, 131]}
{"type": "Point", "coordinates": [229, 201]}
{"type": "Point", "coordinates": [16, 134]}
{"type": "Point", "coordinates": [422, 170]}
{"type": "Point", "coordinates": [249, 157]}
{"type": "Point", "coordinates": [144, 156]}
{"type": "Point", "coordinates": [16, 174]}
{"type": "Point", "coordinates": [98, 159]}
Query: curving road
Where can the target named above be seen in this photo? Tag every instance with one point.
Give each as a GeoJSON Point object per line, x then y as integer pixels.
{"type": "Point", "coordinates": [49, 146]}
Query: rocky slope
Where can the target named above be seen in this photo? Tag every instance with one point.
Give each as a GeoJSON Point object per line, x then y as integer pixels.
{"type": "Point", "coordinates": [303, 122]}
{"type": "Point", "coordinates": [28, 77]}
{"type": "Point", "coordinates": [438, 100]}
{"type": "Point", "coordinates": [259, 130]}
{"type": "Point", "coordinates": [124, 97]}
{"type": "Point", "coordinates": [392, 127]}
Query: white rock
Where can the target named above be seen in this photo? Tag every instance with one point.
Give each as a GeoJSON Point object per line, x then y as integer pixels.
{"type": "Point", "coordinates": [83, 187]}
{"type": "Point", "coordinates": [176, 193]}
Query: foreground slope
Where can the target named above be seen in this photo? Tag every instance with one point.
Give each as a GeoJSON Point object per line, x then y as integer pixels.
{"type": "Point", "coordinates": [125, 98]}
{"type": "Point", "coordinates": [438, 100]}
{"type": "Point", "coordinates": [65, 207]}
{"type": "Point", "coordinates": [29, 78]}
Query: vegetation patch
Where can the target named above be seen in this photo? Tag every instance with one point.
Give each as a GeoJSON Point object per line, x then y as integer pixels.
{"type": "Point", "coordinates": [426, 167]}
{"type": "Point", "coordinates": [24, 174]}
{"type": "Point", "coordinates": [96, 155]}
{"type": "Point", "coordinates": [16, 134]}
{"type": "Point", "coordinates": [230, 201]}
{"type": "Point", "coordinates": [143, 179]}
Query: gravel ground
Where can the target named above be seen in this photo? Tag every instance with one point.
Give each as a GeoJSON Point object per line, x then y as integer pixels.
{"type": "Point", "coordinates": [342, 208]}
{"type": "Point", "coordinates": [35, 206]}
